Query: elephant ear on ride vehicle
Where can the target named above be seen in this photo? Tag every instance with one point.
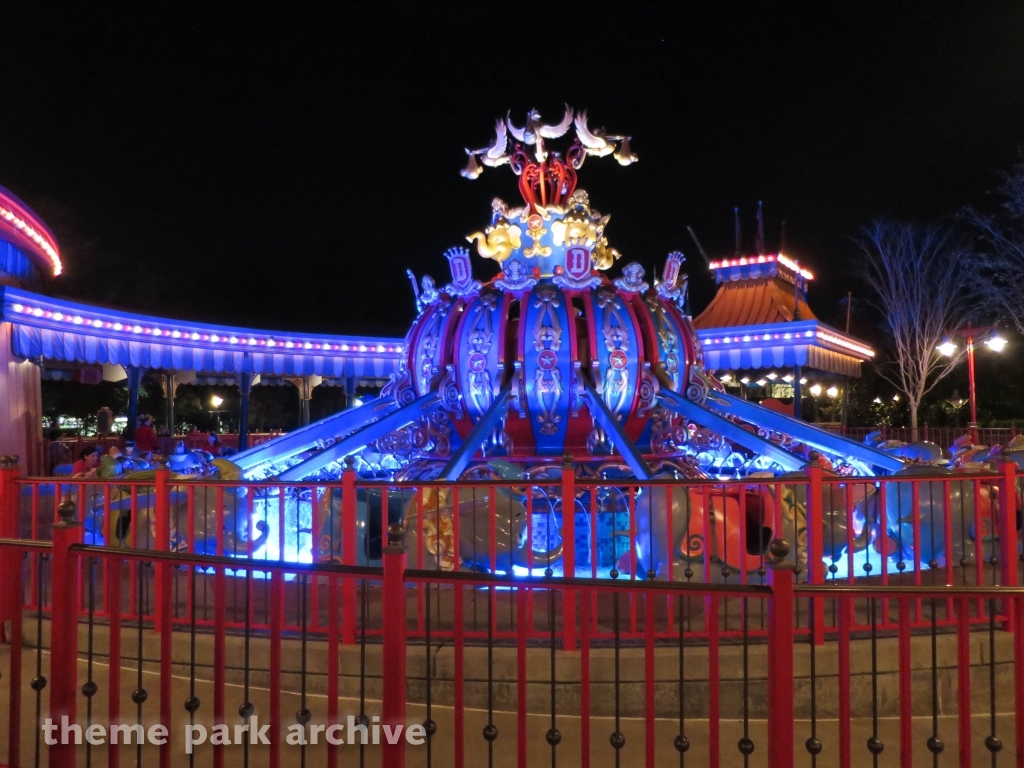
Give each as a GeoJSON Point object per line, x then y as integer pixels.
{"type": "Point", "coordinates": [227, 470]}
{"type": "Point", "coordinates": [109, 467]}
{"type": "Point", "coordinates": [506, 471]}
{"type": "Point", "coordinates": [141, 475]}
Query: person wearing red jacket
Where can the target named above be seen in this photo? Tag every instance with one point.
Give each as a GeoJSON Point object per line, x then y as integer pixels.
{"type": "Point", "coordinates": [87, 462]}
{"type": "Point", "coordinates": [213, 444]}
{"type": "Point", "coordinates": [145, 436]}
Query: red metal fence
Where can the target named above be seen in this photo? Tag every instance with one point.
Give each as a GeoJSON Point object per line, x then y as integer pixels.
{"type": "Point", "coordinates": [933, 529]}
{"type": "Point", "coordinates": [646, 730]}
{"type": "Point", "coordinates": [943, 436]}
{"type": "Point", "coordinates": [737, 653]}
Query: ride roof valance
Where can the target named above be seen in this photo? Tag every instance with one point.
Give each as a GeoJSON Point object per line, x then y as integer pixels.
{"type": "Point", "coordinates": [64, 330]}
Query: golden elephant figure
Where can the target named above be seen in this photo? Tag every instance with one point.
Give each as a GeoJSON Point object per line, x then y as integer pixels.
{"type": "Point", "coordinates": [604, 256]}
{"type": "Point", "coordinates": [498, 241]}
{"type": "Point", "coordinates": [574, 230]}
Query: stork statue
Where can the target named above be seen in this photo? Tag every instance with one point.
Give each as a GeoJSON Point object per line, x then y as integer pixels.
{"type": "Point", "coordinates": [494, 155]}
{"type": "Point", "coordinates": [546, 177]}
{"type": "Point", "coordinates": [534, 132]}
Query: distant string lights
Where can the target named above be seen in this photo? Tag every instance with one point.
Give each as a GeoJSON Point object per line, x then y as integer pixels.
{"type": "Point", "coordinates": [771, 377]}
{"type": "Point", "coordinates": [745, 261]}
{"type": "Point", "coordinates": [793, 336]}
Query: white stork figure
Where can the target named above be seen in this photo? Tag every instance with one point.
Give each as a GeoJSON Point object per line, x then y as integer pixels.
{"type": "Point", "coordinates": [598, 143]}
{"type": "Point", "coordinates": [492, 156]}
{"type": "Point", "coordinates": [534, 132]}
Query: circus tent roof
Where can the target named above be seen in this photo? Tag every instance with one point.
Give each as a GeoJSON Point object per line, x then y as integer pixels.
{"type": "Point", "coordinates": [760, 318]}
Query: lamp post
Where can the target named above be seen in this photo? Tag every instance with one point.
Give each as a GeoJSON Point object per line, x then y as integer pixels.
{"type": "Point", "coordinates": [216, 402]}
{"type": "Point", "coordinates": [833, 393]}
{"type": "Point", "coordinates": [995, 342]}
{"type": "Point", "coordinates": [815, 390]}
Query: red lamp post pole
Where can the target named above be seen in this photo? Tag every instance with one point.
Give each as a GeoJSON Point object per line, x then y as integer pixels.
{"type": "Point", "coordinates": [973, 426]}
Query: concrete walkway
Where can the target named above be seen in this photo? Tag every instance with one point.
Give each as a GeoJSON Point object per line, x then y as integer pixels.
{"type": "Point", "coordinates": [442, 754]}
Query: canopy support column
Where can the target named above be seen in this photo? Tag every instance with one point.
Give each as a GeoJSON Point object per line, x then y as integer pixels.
{"type": "Point", "coordinates": [797, 392]}
{"type": "Point", "coordinates": [305, 385]}
{"type": "Point", "coordinates": [245, 382]}
{"type": "Point", "coordinates": [350, 391]}
{"type": "Point", "coordinates": [135, 374]}
{"type": "Point", "coordinates": [170, 388]}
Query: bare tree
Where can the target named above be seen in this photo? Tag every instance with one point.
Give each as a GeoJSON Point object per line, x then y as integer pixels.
{"type": "Point", "coordinates": [923, 279]}
{"type": "Point", "coordinates": [1003, 237]}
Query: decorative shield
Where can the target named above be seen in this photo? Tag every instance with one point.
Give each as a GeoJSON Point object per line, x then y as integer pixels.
{"type": "Point", "coordinates": [458, 262]}
{"type": "Point", "coordinates": [577, 262]}
{"type": "Point", "coordinates": [462, 273]}
{"type": "Point", "coordinates": [671, 272]}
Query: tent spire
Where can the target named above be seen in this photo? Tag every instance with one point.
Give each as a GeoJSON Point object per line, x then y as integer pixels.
{"type": "Point", "coordinates": [736, 219]}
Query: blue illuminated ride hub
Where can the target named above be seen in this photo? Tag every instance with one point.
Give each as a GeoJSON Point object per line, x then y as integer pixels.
{"type": "Point", "coordinates": [551, 356]}
{"type": "Point", "coordinates": [503, 378]}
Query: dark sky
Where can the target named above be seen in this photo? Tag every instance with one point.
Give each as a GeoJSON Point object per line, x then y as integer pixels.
{"type": "Point", "coordinates": [282, 167]}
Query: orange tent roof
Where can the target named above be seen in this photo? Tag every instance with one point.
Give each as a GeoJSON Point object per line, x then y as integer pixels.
{"type": "Point", "coordinates": [755, 301]}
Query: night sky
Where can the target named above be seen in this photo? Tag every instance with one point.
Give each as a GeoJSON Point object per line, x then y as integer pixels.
{"type": "Point", "coordinates": [281, 168]}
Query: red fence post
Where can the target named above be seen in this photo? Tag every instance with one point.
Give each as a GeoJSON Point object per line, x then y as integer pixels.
{"type": "Point", "coordinates": [333, 664]}
{"type": "Point", "coordinates": [276, 622]}
{"type": "Point", "coordinates": [815, 549]}
{"type": "Point", "coordinates": [162, 613]}
{"type": "Point", "coordinates": [348, 550]}
{"type": "Point", "coordinates": [64, 629]}
{"type": "Point", "coordinates": [393, 652]}
{"type": "Point", "coordinates": [11, 599]}
{"type": "Point", "coordinates": [568, 551]}
{"type": "Point", "coordinates": [1008, 533]}
{"type": "Point", "coordinates": [162, 519]}
{"type": "Point", "coordinates": [650, 712]}
{"type": "Point", "coordinates": [14, 678]}
{"type": "Point", "coordinates": [963, 679]}
{"type": "Point", "coordinates": [845, 718]}
{"type": "Point", "coordinates": [9, 507]}
{"type": "Point", "coordinates": [10, 514]}
{"type": "Point", "coordinates": [780, 658]}
{"type": "Point", "coordinates": [714, 679]}
{"type": "Point", "coordinates": [1018, 677]}
{"type": "Point", "coordinates": [905, 683]}
{"type": "Point", "coordinates": [113, 605]}
{"type": "Point", "coordinates": [220, 659]}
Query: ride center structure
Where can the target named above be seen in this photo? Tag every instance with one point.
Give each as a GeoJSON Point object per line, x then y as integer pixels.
{"type": "Point", "coordinates": [551, 357]}
{"type": "Point", "coordinates": [550, 360]}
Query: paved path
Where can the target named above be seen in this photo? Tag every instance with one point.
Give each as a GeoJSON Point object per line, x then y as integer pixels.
{"type": "Point", "coordinates": [567, 753]}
